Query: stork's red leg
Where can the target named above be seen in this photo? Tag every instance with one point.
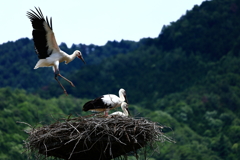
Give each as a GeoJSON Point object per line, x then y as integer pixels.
{"type": "Point", "coordinates": [66, 80]}
{"type": "Point", "coordinates": [60, 84]}
{"type": "Point", "coordinates": [106, 113]}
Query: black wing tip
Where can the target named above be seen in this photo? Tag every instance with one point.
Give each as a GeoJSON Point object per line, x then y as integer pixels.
{"type": "Point", "coordinates": [38, 15]}
{"type": "Point", "coordinates": [33, 15]}
{"type": "Point", "coordinates": [87, 106]}
{"type": "Point", "coordinates": [32, 11]}
{"type": "Point", "coordinates": [85, 109]}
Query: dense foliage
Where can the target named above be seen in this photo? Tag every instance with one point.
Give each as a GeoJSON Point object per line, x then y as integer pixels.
{"type": "Point", "coordinates": [16, 105]}
{"type": "Point", "coordinates": [187, 78]}
{"type": "Point", "coordinates": [19, 58]}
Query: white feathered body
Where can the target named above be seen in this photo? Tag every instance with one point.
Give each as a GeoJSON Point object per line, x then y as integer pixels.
{"type": "Point", "coordinates": [54, 59]}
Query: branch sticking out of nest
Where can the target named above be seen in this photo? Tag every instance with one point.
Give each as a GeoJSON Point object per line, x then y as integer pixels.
{"type": "Point", "coordinates": [94, 138]}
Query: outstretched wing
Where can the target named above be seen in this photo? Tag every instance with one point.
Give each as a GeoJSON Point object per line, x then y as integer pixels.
{"type": "Point", "coordinates": [43, 36]}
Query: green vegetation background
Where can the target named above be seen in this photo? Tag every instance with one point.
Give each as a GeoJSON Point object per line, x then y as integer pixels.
{"type": "Point", "coordinates": [188, 78]}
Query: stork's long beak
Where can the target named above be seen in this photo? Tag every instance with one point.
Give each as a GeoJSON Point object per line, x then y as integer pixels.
{"type": "Point", "coordinates": [126, 98]}
{"type": "Point", "coordinates": [80, 57]}
{"type": "Point", "coordinates": [128, 111]}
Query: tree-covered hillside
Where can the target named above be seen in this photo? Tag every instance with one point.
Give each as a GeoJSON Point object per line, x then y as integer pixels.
{"type": "Point", "coordinates": [187, 78]}
{"type": "Point", "coordinates": [19, 58]}
{"type": "Point", "coordinates": [17, 106]}
{"type": "Point", "coordinates": [210, 30]}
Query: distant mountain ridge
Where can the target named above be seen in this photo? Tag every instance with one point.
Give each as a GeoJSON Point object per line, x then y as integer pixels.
{"type": "Point", "coordinates": [19, 58]}
{"type": "Point", "coordinates": [211, 29]}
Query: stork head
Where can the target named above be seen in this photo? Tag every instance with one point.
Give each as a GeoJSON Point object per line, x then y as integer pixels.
{"type": "Point", "coordinates": [124, 106]}
{"type": "Point", "coordinates": [79, 55]}
{"type": "Point", "coordinates": [123, 92]}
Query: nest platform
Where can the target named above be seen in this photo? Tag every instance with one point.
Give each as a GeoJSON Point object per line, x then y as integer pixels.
{"type": "Point", "coordinates": [93, 138]}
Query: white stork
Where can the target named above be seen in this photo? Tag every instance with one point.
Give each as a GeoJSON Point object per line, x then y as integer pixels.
{"type": "Point", "coordinates": [106, 102]}
{"type": "Point", "coordinates": [46, 47]}
{"type": "Point", "coordinates": [125, 112]}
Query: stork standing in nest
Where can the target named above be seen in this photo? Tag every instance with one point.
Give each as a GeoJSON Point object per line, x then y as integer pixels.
{"type": "Point", "coordinates": [49, 54]}
{"type": "Point", "coordinates": [106, 102]}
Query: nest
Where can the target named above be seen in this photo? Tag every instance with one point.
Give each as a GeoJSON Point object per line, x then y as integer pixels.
{"type": "Point", "coordinates": [93, 138]}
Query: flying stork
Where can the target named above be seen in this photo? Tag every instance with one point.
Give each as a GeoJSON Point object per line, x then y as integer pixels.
{"type": "Point", "coordinates": [125, 112]}
{"type": "Point", "coordinates": [106, 102]}
{"type": "Point", "coordinates": [46, 47]}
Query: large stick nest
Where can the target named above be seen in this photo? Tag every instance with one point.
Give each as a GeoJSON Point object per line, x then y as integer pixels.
{"type": "Point", "coordinates": [93, 138]}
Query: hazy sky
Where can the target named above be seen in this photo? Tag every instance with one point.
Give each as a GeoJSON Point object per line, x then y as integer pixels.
{"type": "Point", "coordinates": [93, 21]}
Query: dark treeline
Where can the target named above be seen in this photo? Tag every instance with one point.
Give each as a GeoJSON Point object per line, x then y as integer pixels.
{"type": "Point", "coordinates": [187, 78]}
{"type": "Point", "coordinates": [19, 58]}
